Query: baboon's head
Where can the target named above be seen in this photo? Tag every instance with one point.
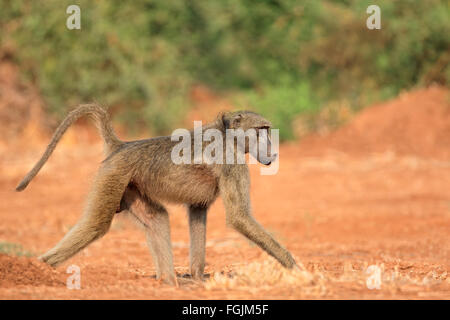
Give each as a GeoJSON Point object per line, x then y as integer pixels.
{"type": "Point", "coordinates": [246, 120]}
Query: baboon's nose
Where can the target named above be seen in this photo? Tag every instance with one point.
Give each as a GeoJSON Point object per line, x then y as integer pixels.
{"type": "Point", "coordinates": [271, 159]}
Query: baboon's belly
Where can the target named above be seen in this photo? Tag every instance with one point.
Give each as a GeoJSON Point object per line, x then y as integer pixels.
{"type": "Point", "coordinates": [193, 185]}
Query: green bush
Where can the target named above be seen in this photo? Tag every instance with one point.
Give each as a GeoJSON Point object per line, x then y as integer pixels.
{"type": "Point", "coordinates": [282, 104]}
{"type": "Point", "coordinates": [13, 249]}
{"type": "Point", "coordinates": [143, 57]}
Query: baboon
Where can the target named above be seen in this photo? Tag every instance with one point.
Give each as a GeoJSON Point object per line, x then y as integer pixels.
{"type": "Point", "coordinates": [137, 177]}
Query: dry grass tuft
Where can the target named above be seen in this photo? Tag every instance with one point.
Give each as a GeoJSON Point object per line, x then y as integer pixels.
{"type": "Point", "coordinates": [267, 275]}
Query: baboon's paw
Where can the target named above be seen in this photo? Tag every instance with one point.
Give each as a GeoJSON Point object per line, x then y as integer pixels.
{"type": "Point", "coordinates": [170, 280]}
{"type": "Point", "coordinates": [50, 259]}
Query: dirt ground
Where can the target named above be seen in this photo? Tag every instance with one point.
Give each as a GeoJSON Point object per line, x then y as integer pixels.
{"type": "Point", "coordinates": [373, 196]}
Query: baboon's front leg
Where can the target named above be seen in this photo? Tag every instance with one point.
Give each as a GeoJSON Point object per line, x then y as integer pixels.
{"type": "Point", "coordinates": [197, 232]}
{"type": "Point", "coordinates": [155, 219]}
{"type": "Point", "coordinates": [234, 190]}
{"type": "Point", "coordinates": [103, 201]}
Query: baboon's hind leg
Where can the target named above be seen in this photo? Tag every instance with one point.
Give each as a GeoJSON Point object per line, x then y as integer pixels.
{"type": "Point", "coordinates": [155, 219]}
{"type": "Point", "coordinates": [104, 198]}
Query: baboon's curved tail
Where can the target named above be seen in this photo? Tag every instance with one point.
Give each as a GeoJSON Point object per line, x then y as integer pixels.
{"type": "Point", "coordinates": [102, 122]}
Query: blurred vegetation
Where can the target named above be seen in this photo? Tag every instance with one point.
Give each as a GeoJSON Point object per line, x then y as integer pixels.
{"type": "Point", "coordinates": [284, 58]}
{"type": "Point", "coordinates": [13, 249]}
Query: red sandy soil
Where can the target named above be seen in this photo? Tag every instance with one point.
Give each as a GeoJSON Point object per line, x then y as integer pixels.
{"type": "Point", "coordinates": [376, 192]}
{"type": "Point", "coordinates": [415, 123]}
{"type": "Point", "coordinates": [27, 272]}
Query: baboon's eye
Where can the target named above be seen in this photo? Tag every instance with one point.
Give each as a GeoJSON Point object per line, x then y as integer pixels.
{"type": "Point", "coordinates": [237, 121]}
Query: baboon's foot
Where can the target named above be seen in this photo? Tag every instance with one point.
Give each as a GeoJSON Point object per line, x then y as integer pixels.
{"type": "Point", "coordinates": [197, 276]}
{"type": "Point", "coordinates": [50, 258]}
{"type": "Point", "coordinates": [192, 277]}
{"type": "Point", "coordinates": [169, 279]}
{"type": "Point", "coordinates": [287, 260]}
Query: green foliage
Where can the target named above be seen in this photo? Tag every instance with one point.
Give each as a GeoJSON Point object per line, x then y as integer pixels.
{"type": "Point", "coordinates": [13, 249]}
{"type": "Point", "coordinates": [282, 104]}
{"type": "Point", "coordinates": [287, 56]}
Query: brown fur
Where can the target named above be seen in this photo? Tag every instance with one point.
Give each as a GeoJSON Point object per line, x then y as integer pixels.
{"type": "Point", "coordinates": [138, 176]}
